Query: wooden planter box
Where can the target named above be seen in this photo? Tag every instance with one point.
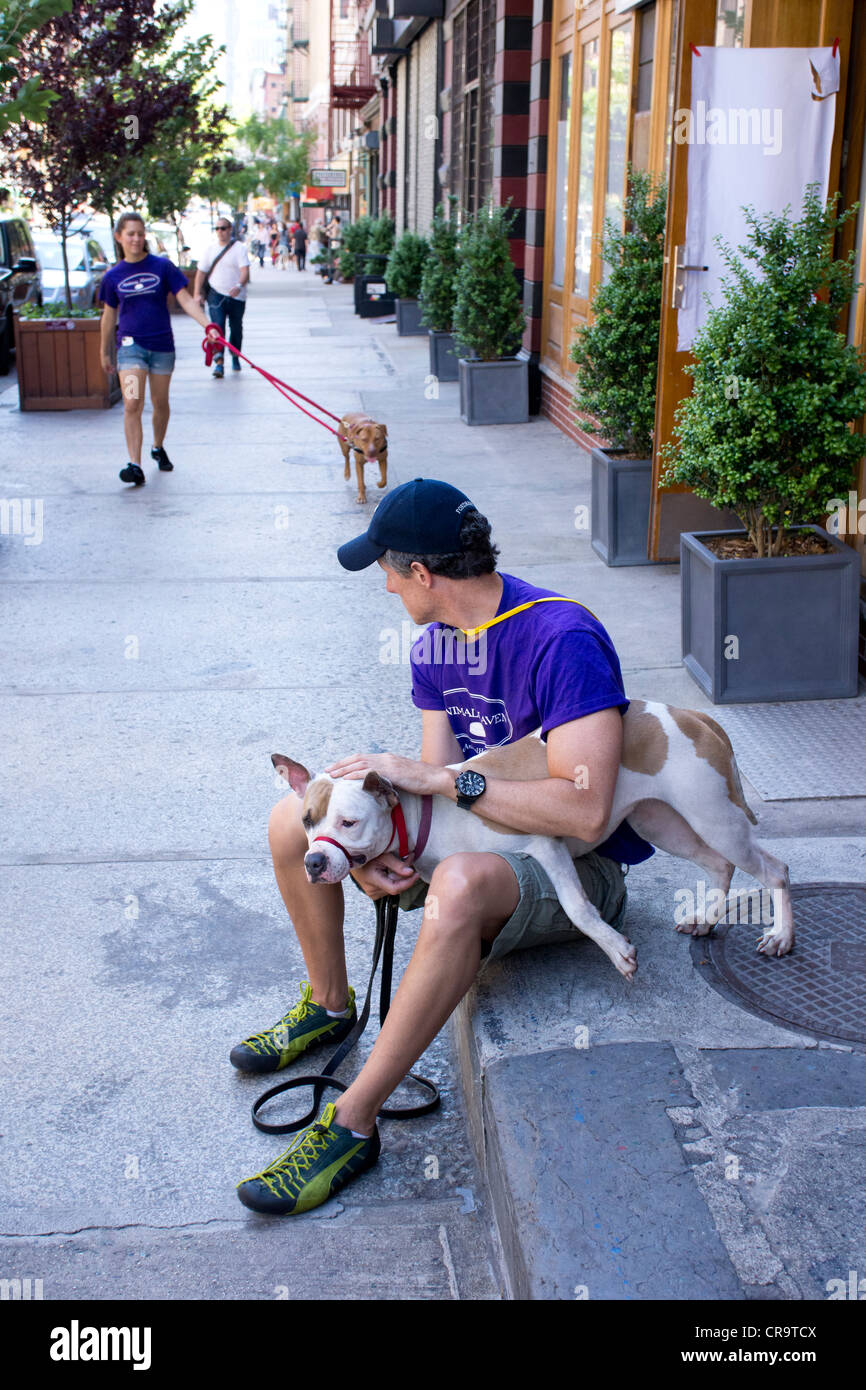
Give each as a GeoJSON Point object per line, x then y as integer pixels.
{"type": "Point", "coordinates": [59, 368]}
{"type": "Point", "coordinates": [189, 271]}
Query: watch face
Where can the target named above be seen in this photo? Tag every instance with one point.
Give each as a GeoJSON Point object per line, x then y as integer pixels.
{"type": "Point", "coordinates": [471, 783]}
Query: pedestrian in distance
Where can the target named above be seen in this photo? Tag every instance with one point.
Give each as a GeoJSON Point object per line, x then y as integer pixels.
{"type": "Point", "coordinates": [275, 244]}
{"type": "Point", "coordinates": [136, 324]}
{"type": "Point", "coordinates": [333, 232]}
{"type": "Point", "coordinates": [299, 246]}
{"type": "Point", "coordinates": [226, 268]}
{"type": "Point", "coordinates": [285, 247]}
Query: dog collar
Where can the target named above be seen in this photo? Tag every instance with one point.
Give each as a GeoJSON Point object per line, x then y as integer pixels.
{"type": "Point", "coordinates": [398, 821]}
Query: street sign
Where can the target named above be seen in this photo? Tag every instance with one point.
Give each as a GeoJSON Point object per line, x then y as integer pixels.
{"type": "Point", "coordinates": [327, 178]}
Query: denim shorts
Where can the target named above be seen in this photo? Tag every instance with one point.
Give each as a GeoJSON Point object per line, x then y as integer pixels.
{"type": "Point", "coordinates": [538, 919]}
{"type": "Point", "coordinates": [145, 359]}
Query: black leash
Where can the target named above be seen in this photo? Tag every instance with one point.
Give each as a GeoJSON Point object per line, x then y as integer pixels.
{"type": "Point", "coordinates": [386, 930]}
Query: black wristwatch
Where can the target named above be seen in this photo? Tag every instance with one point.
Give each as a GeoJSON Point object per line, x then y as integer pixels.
{"type": "Point", "coordinates": [469, 786]}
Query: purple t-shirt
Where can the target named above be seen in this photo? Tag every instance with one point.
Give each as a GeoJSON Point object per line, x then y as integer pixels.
{"type": "Point", "coordinates": [541, 668]}
{"type": "Point", "coordinates": [140, 289]}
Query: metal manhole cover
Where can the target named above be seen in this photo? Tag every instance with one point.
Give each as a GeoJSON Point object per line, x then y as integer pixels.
{"type": "Point", "coordinates": [820, 987]}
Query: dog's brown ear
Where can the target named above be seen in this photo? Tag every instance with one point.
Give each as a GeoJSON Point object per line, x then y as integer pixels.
{"type": "Point", "coordinates": [294, 773]}
{"type": "Point", "coordinates": [380, 786]}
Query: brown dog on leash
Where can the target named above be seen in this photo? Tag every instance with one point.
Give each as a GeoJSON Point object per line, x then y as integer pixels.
{"type": "Point", "coordinates": [369, 441]}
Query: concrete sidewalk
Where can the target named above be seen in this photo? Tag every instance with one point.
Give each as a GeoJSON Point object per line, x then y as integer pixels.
{"type": "Point", "coordinates": [683, 1148]}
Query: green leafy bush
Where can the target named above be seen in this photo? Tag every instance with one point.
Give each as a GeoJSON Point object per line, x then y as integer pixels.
{"type": "Point", "coordinates": [617, 354]}
{"type": "Point", "coordinates": [766, 431]}
{"type": "Point", "coordinates": [380, 242]}
{"type": "Point", "coordinates": [439, 280]}
{"type": "Point", "coordinates": [355, 239]}
{"type": "Point", "coordinates": [59, 311]}
{"type": "Point", "coordinates": [406, 266]}
{"type": "Point", "coordinates": [488, 314]}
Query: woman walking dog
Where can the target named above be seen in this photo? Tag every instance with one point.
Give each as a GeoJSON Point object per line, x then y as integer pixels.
{"type": "Point", "coordinates": [138, 286]}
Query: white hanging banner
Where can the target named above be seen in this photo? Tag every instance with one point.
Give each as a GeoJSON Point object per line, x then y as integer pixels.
{"type": "Point", "coordinates": [759, 129]}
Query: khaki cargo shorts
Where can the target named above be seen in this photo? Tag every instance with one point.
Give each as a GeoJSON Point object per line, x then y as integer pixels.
{"type": "Point", "coordinates": [538, 919]}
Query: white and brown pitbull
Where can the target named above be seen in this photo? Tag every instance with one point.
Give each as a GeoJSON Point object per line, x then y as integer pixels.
{"type": "Point", "coordinates": [678, 786]}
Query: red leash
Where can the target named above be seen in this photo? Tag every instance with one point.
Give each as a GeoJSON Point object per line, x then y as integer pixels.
{"type": "Point", "coordinates": [282, 386]}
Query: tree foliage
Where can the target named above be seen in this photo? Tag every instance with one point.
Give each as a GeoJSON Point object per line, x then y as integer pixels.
{"type": "Point", "coordinates": [19, 19]}
{"type": "Point", "coordinates": [379, 242]}
{"type": "Point", "coordinates": [488, 314]}
{"type": "Point", "coordinates": [406, 265]}
{"type": "Point", "coordinates": [122, 94]}
{"type": "Point", "coordinates": [355, 239]}
{"type": "Point", "coordinates": [767, 431]}
{"type": "Point", "coordinates": [439, 279]}
{"type": "Point", "coordinates": [617, 354]}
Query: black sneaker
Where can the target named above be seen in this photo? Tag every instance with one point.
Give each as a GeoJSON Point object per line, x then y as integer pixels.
{"type": "Point", "coordinates": [303, 1026]}
{"type": "Point", "coordinates": [132, 473]}
{"type": "Point", "coordinates": [162, 459]}
{"type": "Point", "coordinates": [236, 363]}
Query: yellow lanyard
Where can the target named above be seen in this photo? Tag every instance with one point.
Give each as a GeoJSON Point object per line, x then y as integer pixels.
{"type": "Point", "coordinates": [471, 632]}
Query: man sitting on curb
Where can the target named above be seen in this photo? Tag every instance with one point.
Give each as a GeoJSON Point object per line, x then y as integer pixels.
{"type": "Point", "coordinates": [551, 666]}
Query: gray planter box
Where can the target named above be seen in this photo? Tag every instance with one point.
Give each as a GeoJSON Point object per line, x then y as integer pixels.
{"type": "Point", "coordinates": [409, 323]}
{"type": "Point", "coordinates": [795, 621]}
{"type": "Point", "coordinates": [443, 356]}
{"type": "Point", "coordinates": [620, 507]}
{"type": "Point", "coordinates": [494, 393]}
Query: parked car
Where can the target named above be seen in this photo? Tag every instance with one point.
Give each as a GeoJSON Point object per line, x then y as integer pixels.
{"type": "Point", "coordinates": [20, 280]}
{"type": "Point", "coordinates": [87, 262]}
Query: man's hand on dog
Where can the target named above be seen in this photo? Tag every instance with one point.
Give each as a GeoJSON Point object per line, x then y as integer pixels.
{"type": "Point", "coordinates": [405, 773]}
{"type": "Point", "coordinates": [385, 876]}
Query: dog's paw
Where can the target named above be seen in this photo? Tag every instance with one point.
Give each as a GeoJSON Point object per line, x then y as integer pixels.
{"type": "Point", "coordinates": [384, 483]}
{"type": "Point", "coordinates": [624, 957]}
{"type": "Point", "coordinates": [775, 942]}
{"type": "Point", "coordinates": [692, 928]}
{"type": "Point", "coordinates": [360, 500]}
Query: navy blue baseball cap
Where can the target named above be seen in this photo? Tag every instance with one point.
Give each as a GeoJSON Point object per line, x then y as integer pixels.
{"type": "Point", "coordinates": [420, 518]}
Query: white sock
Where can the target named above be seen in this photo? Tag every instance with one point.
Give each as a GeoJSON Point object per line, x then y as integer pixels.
{"type": "Point", "coordinates": [343, 1014]}
{"type": "Point", "coordinates": [355, 1135]}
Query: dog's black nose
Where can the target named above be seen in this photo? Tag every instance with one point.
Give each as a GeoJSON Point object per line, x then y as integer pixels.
{"type": "Point", "coordinates": [315, 863]}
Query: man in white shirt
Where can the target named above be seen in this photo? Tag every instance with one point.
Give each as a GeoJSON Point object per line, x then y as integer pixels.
{"type": "Point", "coordinates": [226, 263]}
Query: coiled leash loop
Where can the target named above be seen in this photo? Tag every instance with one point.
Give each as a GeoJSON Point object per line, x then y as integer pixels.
{"type": "Point", "coordinates": [386, 930]}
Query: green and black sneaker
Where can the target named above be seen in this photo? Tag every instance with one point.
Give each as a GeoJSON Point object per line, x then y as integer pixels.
{"type": "Point", "coordinates": [303, 1026]}
{"type": "Point", "coordinates": [322, 1159]}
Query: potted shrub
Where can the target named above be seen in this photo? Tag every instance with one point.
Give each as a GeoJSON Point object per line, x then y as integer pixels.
{"type": "Point", "coordinates": [771, 612]}
{"type": "Point", "coordinates": [372, 296]}
{"type": "Point", "coordinates": [439, 291]}
{"type": "Point", "coordinates": [355, 239]}
{"type": "Point", "coordinates": [617, 357]}
{"type": "Point", "coordinates": [489, 324]}
{"type": "Point", "coordinates": [403, 275]}
{"type": "Point", "coordinates": [58, 360]}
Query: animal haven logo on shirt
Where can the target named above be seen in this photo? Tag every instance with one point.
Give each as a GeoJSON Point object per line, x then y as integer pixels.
{"type": "Point", "coordinates": [139, 284]}
{"type": "Point", "coordinates": [477, 721]}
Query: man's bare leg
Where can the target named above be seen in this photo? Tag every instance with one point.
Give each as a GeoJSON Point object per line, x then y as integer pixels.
{"type": "Point", "coordinates": [474, 895]}
{"type": "Point", "coordinates": [316, 910]}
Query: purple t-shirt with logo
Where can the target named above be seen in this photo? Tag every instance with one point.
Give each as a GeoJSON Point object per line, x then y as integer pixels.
{"type": "Point", "coordinates": [140, 289]}
{"type": "Point", "coordinates": [541, 668]}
